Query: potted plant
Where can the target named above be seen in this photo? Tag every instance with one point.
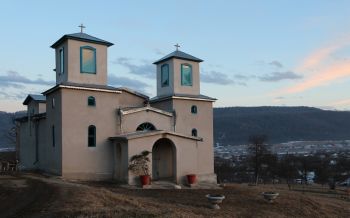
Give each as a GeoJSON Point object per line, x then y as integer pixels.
{"type": "Point", "coordinates": [191, 178]}
{"type": "Point", "coordinates": [139, 165]}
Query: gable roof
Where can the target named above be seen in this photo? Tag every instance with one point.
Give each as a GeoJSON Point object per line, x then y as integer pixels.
{"type": "Point", "coordinates": [37, 98]}
{"type": "Point", "coordinates": [133, 92]}
{"type": "Point", "coordinates": [140, 134]}
{"type": "Point", "coordinates": [131, 110]}
{"type": "Point", "coordinates": [81, 37]}
{"type": "Point", "coordinates": [179, 55]}
{"type": "Point", "coordinates": [93, 87]}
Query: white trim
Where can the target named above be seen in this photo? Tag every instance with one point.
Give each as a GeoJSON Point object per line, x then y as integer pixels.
{"type": "Point", "coordinates": [145, 109]}
{"type": "Point", "coordinates": [90, 89]}
{"type": "Point", "coordinates": [189, 98]}
{"type": "Point", "coordinates": [130, 136]}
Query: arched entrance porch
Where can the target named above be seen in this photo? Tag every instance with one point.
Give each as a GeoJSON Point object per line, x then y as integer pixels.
{"type": "Point", "coordinates": [164, 160]}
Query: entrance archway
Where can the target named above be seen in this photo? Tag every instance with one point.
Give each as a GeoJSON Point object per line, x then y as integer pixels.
{"type": "Point", "coordinates": [164, 160]}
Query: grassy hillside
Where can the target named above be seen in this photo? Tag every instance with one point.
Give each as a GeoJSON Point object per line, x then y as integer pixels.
{"type": "Point", "coordinates": [233, 125]}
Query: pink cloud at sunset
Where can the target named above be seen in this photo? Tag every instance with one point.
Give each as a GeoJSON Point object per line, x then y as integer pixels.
{"type": "Point", "coordinates": [323, 77]}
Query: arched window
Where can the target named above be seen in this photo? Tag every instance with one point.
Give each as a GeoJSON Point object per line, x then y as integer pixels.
{"type": "Point", "coordinates": [87, 59]}
{"type": "Point", "coordinates": [164, 75]}
{"type": "Point", "coordinates": [146, 127]}
{"type": "Point", "coordinates": [194, 132]}
{"type": "Point", "coordinates": [92, 136]}
{"type": "Point", "coordinates": [91, 101]}
{"type": "Point", "coordinates": [186, 75]}
{"type": "Point", "coordinates": [194, 109]}
{"type": "Point", "coordinates": [53, 136]}
{"type": "Point", "coordinates": [61, 53]}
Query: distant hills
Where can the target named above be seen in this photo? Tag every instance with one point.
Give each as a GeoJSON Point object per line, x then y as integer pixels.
{"type": "Point", "coordinates": [234, 125]}
{"type": "Point", "coordinates": [6, 123]}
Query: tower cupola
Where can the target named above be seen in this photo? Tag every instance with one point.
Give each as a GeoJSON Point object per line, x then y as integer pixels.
{"type": "Point", "coordinates": [81, 58]}
{"type": "Point", "coordinates": [178, 73]}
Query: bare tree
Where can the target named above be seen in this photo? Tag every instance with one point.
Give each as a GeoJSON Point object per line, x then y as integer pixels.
{"type": "Point", "coordinates": [257, 148]}
{"type": "Point", "coordinates": [11, 132]}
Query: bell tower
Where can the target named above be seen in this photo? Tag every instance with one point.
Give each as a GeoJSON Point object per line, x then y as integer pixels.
{"type": "Point", "coordinates": [178, 73]}
{"type": "Point", "coordinates": [81, 58]}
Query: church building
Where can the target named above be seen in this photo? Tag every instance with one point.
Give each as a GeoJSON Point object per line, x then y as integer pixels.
{"type": "Point", "coordinates": [81, 128]}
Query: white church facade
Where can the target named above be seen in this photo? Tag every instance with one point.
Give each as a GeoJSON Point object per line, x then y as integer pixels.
{"type": "Point", "coordinates": [84, 129]}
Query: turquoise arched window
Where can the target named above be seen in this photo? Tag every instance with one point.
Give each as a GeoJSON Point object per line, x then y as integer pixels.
{"type": "Point", "coordinates": [87, 59]}
{"type": "Point", "coordinates": [91, 101]}
{"type": "Point", "coordinates": [164, 75]}
{"type": "Point", "coordinates": [186, 75]}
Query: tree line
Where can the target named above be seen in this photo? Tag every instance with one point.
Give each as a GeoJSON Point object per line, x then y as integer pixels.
{"type": "Point", "coordinates": [262, 166]}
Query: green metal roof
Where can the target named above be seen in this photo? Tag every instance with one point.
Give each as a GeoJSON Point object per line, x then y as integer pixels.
{"type": "Point", "coordinates": [81, 37]}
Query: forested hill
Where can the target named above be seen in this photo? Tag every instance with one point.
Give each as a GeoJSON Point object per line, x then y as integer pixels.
{"type": "Point", "coordinates": [233, 125]}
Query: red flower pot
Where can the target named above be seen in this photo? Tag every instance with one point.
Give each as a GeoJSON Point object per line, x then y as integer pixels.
{"type": "Point", "coordinates": [191, 178]}
{"type": "Point", "coordinates": [145, 179]}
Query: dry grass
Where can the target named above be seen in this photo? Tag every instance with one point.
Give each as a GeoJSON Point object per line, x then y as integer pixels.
{"type": "Point", "coordinates": [62, 199]}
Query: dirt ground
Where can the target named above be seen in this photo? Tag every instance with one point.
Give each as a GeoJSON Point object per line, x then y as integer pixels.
{"type": "Point", "coordinates": [30, 195]}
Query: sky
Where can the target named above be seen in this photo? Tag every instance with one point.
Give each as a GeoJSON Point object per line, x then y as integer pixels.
{"type": "Point", "coordinates": [256, 53]}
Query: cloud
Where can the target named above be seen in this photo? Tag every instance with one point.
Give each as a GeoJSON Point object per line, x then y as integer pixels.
{"type": "Point", "coordinates": [144, 69]}
{"type": "Point", "coordinates": [158, 52]}
{"type": "Point", "coordinates": [334, 72]}
{"type": "Point", "coordinates": [280, 98]}
{"type": "Point", "coordinates": [345, 102]}
{"type": "Point", "coordinates": [276, 64]}
{"type": "Point", "coordinates": [320, 56]}
{"type": "Point", "coordinates": [127, 82]}
{"type": "Point", "coordinates": [278, 76]}
{"type": "Point", "coordinates": [14, 96]}
{"type": "Point", "coordinates": [242, 77]}
{"type": "Point", "coordinates": [216, 78]}
{"type": "Point", "coordinates": [14, 79]}
{"type": "Point", "coordinates": [316, 58]}
{"type": "Point", "coordinates": [322, 67]}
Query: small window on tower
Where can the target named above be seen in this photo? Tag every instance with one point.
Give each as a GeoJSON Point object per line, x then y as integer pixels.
{"type": "Point", "coordinates": [87, 59]}
{"type": "Point", "coordinates": [194, 109]}
{"type": "Point", "coordinates": [91, 101]}
{"type": "Point", "coordinates": [61, 60]}
{"type": "Point", "coordinates": [164, 75]}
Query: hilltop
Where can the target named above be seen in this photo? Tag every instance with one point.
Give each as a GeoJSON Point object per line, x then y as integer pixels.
{"type": "Point", "coordinates": [233, 125]}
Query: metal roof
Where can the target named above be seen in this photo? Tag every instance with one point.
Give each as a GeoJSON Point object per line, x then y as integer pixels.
{"type": "Point", "coordinates": [38, 98]}
{"type": "Point", "coordinates": [97, 87]}
{"type": "Point", "coordinates": [182, 96]}
{"type": "Point", "coordinates": [81, 37]}
{"type": "Point", "coordinates": [179, 55]}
